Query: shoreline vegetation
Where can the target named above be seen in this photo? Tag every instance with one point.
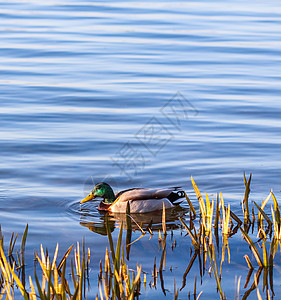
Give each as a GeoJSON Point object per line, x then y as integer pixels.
{"type": "Point", "coordinates": [214, 221]}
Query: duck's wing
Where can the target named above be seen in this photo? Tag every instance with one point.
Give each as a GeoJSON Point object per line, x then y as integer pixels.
{"type": "Point", "coordinates": [124, 191]}
{"type": "Point", "coordinates": [145, 194]}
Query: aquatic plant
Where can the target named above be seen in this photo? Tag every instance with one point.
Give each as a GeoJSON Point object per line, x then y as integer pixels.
{"type": "Point", "coordinates": [117, 281]}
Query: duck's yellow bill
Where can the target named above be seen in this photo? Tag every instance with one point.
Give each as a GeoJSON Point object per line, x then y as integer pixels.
{"type": "Point", "coordinates": [88, 198]}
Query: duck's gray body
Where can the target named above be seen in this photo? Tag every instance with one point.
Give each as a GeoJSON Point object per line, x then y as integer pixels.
{"type": "Point", "coordinates": [144, 200]}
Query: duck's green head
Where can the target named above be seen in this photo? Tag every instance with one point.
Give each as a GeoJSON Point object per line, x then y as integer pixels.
{"type": "Point", "coordinates": [101, 190]}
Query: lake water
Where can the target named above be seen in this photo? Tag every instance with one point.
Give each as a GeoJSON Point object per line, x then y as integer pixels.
{"type": "Point", "coordinates": [140, 94]}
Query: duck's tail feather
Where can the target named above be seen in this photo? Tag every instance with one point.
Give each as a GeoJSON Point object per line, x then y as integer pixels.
{"type": "Point", "coordinates": [176, 197]}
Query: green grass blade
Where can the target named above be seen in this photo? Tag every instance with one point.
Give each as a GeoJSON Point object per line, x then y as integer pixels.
{"type": "Point", "coordinates": [190, 204]}
{"type": "Point", "coordinates": [64, 257]}
{"type": "Point", "coordinates": [110, 240]}
{"type": "Point", "coordinates": [164, 220]}
{"type": "Point", "coordinates": [63, 281]}
{"type": "Point", "coordinates": [253, 247]}
{"type": "Point", "coordinates": [272, 252]}
{"type": "Point", "coordinates": [23, 241]}
{"type": "Point", "coordinates": [134, 285]}
{"type": "Point", "coordinates": [265, 256]}
{"type": "Point", "coordinates": [263, 214]}
{"type": "Point", "coordinates": [129, 230]}
{"type": "Point", "coordinates": [128, 219]}
{"type": "Point", "coordinates": [12, 243]}
{"type": "Point", "coordinates": [236, 218]}
{"type": "Point", "coordinates": [19, 283]}
{"type": "Point", "coordinates": [276, 210]}
{"type": "Point", "coordinates": [41, 294]}
{"type": "Point", "coordinates": [118, 247]}
{"type": "Point", "coordinates": [215, 269]}
{"type": "Point", "coordinates": [73, 275]}
{"type": "Point", "coordinates": [199, 197]}
{"type": "Point", "coordinates": [81, 279]}
{"type": "Point", "coordinates": [216, 224]}
{"type": "Point", "coordinates": [194, 239]}
{"type": "Point", "coordinates": [74, 297]}
{"type": "Point", "coordinates": [162, 258]}
{"type": "Point", "coordinates": [246, 197]}
{"type": "Point", "coordinates": [49, 273]}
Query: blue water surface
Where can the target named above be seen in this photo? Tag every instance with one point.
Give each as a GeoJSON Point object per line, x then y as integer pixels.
{"type": "Point", "coordinates": [141, 94]}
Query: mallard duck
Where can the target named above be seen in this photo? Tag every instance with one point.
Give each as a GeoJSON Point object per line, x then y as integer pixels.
{"type": "Point", "coordinates": [141, 200]}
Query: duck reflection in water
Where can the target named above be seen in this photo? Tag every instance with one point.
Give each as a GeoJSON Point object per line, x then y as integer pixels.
{"type": "Point", "coordinates": [148, 221]}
